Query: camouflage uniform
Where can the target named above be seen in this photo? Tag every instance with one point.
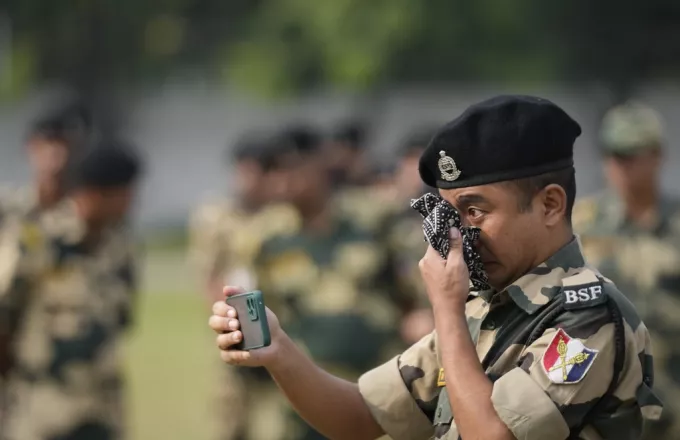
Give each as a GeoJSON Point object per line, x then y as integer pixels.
{"type": "Point", "coordinates": [332, 295]}
{"type": "Point", "coordinates": [408, 397]}
{"type": "Point", "coordinates": [66, 305]}
{"type": "Point", "coordinates": [643, 261]}
{"type": "Point", "coordinates": [224, 242]}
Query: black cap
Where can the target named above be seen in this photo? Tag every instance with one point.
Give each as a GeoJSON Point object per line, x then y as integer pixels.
{"type": "Point", "coordinates": [110, 163]}
{"type": "Point", "coordinates": [352, 133]}
{"type": "Point", "coordinates": [503, 138]}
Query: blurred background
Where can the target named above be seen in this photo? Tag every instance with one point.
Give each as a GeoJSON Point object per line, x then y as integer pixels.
{"type": "Point", "coordinates": [185, 78]}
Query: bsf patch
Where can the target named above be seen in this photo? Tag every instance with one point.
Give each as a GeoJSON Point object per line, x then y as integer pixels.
{"type": "Point", "coordinates": [567, 360]}
{"type": "Point", "coordinates": [580, 297]}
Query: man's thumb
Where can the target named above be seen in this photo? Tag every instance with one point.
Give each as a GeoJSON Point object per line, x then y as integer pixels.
{"type": "Point", "coordinates": [455, 239]}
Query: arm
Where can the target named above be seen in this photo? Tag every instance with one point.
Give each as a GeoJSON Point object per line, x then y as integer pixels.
{"type": "Point", "coordinates": [468, 387]}
{"type": "Point", "coordinates": [333, 406]}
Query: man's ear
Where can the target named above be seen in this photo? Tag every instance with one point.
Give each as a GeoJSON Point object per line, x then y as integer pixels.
{"type": "Point", "coordinates": [554, 204]}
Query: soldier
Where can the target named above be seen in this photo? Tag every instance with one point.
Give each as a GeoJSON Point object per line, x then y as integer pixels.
{"type": "Point", "coordinates": [404, 237]}
{"type": "Point", "coordinates": [66, 297]}
{"type": "Point", "coordinates": [225, 237]}
{"type": "Point", "coordinates": [551, 351]}
{"type": "Point", "coordinates": [631, 232]}
{"type": "Point", "coordinates": [52, 143]}
{"type": "Point", "coordinates": [346, 160]}
{"type": "Point", "coordinates": [328, 282]}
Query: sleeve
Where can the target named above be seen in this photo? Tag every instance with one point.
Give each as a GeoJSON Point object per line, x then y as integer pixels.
{"type": "Point", "coordinates": [128, 272]}
{"type": "Point", "coordinates": [402, 393]}
{"type": "Point", "coordinates": [564, 374]}
{"type": "Point", "coordinates": [13, 298]}
{"type": "Point", "coordinates": [206, 250]}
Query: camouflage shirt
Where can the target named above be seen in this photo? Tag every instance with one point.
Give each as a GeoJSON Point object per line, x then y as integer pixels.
{"type": "Point", "coordinates": [645, 264]}
{"type": "Point", "coordinates": [542, 389]}
{"type": "Point", "coordinates": [224, 239]}
{"type": "Point", "coordinates": [66, 304]}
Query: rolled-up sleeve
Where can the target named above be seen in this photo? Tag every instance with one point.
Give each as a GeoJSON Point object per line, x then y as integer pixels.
{"type": "Point", "coordinates": [401, 394]}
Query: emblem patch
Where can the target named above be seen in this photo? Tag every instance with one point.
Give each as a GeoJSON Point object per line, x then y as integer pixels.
{"type": "Point", "coordinates": [567, 360]}
{"type": "Point", "coordinates": [447, 167]}
{"type": "Point", "coordinates": [440, 379]}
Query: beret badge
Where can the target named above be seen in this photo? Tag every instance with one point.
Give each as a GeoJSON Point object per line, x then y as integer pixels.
{"type": "Point", "coordinates": [447, 167]}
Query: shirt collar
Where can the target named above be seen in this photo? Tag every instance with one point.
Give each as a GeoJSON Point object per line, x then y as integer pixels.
{"type": "Point", "coordinates": [541, 284]}
{"type": "Point", "coordinates": [614, 210]}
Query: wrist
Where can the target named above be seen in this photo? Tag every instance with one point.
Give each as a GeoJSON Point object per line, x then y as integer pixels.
{"type": "Point", "coordinates": [281, 348]}
{"type": "Point", "coordinates": [450, 304]}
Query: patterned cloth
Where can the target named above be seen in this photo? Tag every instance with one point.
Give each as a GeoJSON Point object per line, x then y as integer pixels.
{"type": "Point", "coordinates": [439, 217]}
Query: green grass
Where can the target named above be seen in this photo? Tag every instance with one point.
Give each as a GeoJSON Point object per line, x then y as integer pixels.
{"type": "Point", "coordinates": [171, 369]}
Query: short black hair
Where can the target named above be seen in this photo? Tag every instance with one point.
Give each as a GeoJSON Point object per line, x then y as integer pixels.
{"type": "Point", "coordinates": [250, 146]}
{"type": "Point", "coordinates": [64, 124]}
{"type": "Point", "coordinates": [302, 139]}
{"type": "Point", "coordinates": [417, 140]}
{"type": "Point", "coordinates": [353, 133]}
{"type": "Point", "coordinates": [528, 187]}
{"type": "Point", "coordinates": [108, 164]}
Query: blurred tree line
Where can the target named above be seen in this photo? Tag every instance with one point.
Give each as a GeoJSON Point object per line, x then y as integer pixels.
{"type": "Point", "coordinates": [279, 47]}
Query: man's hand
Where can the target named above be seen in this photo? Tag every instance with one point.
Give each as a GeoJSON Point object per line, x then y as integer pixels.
{"type": "Point", "coordinates": [447, 281]}
{"type": "Point", "coordinates": [224, 321]}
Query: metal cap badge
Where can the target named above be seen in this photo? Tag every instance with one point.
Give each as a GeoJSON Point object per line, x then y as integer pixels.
{"type": "Point", "coordinates": [447, 167]}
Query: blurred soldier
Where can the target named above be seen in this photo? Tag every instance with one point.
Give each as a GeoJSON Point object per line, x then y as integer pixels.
{"type": "Point", "coordinates": [327, 282]}
{"type": "Point", "coordinates": [66, 294]}
{"type": "Point", "coordinates": [52, 143]}
{"type": "Point", "coordinates": [404, 235]}
{"type": "Point", "coordinates": [346, 155]}
{"type": "Point", "coordinates": [225, 237]}
{"type": "Point", "coordinates": [631, 233]}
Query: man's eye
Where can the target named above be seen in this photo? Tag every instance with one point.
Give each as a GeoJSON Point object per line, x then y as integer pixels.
{"type": "Point", "coordinates": [474, 212]}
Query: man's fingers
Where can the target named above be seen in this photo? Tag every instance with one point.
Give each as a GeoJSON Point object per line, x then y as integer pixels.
{"type": "Point", "coordinates": [228, 340]}
{"type": "Point", "coordinates": [234, 357]}
{"type": "Point", "coordinates": [220, 308]}
{"type": "Point", "coordinates": [232, 290]}
{"type": "Point", "coordinates": [221, 324]}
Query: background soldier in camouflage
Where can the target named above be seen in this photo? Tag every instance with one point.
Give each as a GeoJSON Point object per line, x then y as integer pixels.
{"type": "Point", "coordinates": [52, 143]}
{"type": "Point", "coordinates": [225, 237]}
{"type": "Point", "coordinates": [631, 233]}
{"type": "Point", "coordinates": [403, 234]}
{"type": "Point", "coordinates": [551, 351]}
{"type": "Point", "coordinates": [329, 282]}
{"type": "Point", "coordinates": [66, 297]}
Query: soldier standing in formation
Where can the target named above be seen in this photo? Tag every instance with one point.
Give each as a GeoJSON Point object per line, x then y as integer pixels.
{"type": "Point", "coordinates": [225, 238]}
{"type": "Point", "coordinates": [631, 232]}
{"type": "Point", "coordinates": [329, 281]}
{"type": "Point", "coordinates": [66, 297]}
{"type": "Point", "coordinates": [551, 351]}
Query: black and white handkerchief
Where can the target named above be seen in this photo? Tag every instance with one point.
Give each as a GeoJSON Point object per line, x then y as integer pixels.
{"type": "Point", "coordinates": [439, 216]}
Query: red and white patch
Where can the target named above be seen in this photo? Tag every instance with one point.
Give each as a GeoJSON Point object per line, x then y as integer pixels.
{"type": "Point", "coordinates": [567, 360]}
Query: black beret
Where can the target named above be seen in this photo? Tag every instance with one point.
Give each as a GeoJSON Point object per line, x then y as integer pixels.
{"type": "Point", "coordinates": [251, 146]}
{"type": "Point", "coordinates": [110, 163]}
{"type": "Point", "coordinates": [503, 138]}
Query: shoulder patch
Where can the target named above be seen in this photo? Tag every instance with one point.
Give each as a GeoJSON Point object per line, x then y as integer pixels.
{"type": "Point", "coordinates": [583, 290]}
{"type": "Point", "coordinates": [567, 360]}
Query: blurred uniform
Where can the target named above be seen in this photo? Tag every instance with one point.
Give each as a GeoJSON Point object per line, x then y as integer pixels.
{"type": "Point", "coordinates": [643, 260]}
{"type": "Point", "coordinates": [330, 286]}
{"type": "Point", "coordinates": [66, 301]}
{"type": "Point", "coordinates": [225, 238]}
